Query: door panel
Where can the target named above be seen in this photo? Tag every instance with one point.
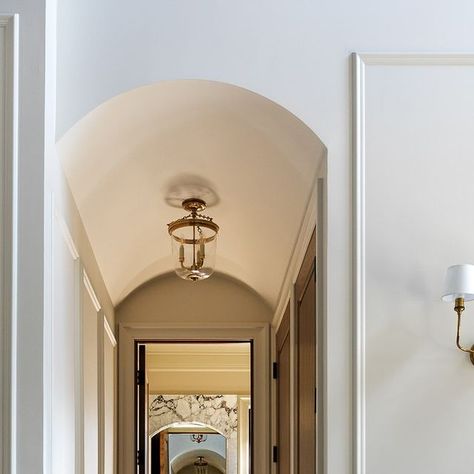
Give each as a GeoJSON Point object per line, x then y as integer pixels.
{"type": "Point", "coordinates": [164, 459]}
{"type": "Point", "coordinates": [306, 362]}
{"type": "Point", "coordinates": [283, 394]}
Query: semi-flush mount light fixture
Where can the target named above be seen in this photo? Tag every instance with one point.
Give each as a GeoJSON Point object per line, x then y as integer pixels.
{"type": "Point", "coordinates": [200, 465]}
{"type": "Point", "coordinates": [459, 288]}
{"type": "Point", "coordinates": [194, 241]}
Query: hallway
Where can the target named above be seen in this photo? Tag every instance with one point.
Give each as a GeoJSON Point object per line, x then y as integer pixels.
{"type": "Point", "coordinates": [129, 185]}
{"type": "Point", "coordinates": [278, 119]}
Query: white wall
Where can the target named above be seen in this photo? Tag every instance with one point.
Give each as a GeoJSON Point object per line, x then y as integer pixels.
{"type": "Point", "coordinates": [83, 356]}
{"type": "Point", "coordinates": [44, 340]}
{"type": "Point", "coordinates": [27, 446]}
{"type": "Point", "coordinates": [296, 53]}
{"type": "Point", "coordinates": [65, 315]}
{"type": "Point", "coordinates": [8, 238]}
{"type": "Point", "coordinates": [419, 194]}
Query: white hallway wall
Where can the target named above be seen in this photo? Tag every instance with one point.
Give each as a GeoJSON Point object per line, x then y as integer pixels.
{"type": "Point", "coordinates": [43, 436]}
{"type": "Point", "coordinates": [296, 53]}
{"type": "Point", "coordinates": [83, 354]}
{"type": "Point", "coordinates": [26, 450]}
{"type": "Point", "coordinates": [419, 195]}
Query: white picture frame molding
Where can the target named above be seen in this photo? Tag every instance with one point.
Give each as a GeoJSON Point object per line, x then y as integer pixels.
{"type": "Point", "coordinates": [360, 63]}
{"type": "Point", "coordinates": [9, 31]}
{"type": "Point", "coordinates": [109, 337]}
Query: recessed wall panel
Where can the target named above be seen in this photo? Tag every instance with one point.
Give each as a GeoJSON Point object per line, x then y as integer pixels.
{"type": "Point", "coordinates": [419, 172]}
{"type": "Point", "coordinates": [91, 381]}
{"type": "Point", "coordinates": [64, 401]}
{"type": "Point", "coordinates": [109, 405]}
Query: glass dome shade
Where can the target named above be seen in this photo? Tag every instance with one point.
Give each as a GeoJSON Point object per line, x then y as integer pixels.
{"type": "Point", "coordinates": [193, 242]}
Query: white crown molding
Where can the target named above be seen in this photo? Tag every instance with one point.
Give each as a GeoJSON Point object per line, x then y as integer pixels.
{"type": "Point", "coordinates": [90, 290]}
{"type": "Point", "coordinates": [109, 332]}
{"type": "Point", "coordinates": [196, 370]}
{"type": "Point", "coordinates": [304, 236]}
{"type": "Point", "coordinates": [360, 63]}
{"type": "Point", "coordinates": [9, 25]}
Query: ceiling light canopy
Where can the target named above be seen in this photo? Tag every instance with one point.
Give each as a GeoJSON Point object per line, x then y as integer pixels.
{"type": "Point", "coordinates": [193, 242]}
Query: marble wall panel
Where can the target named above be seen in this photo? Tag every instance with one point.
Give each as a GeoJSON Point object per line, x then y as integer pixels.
{"type": "Point", "coordinates": [217, 411]}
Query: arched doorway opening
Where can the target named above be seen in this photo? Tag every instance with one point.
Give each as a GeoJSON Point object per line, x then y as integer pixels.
{"type": "Point", "coordinates": [182, 447]}
{"type": "Point", "coordinates": [264, 165]}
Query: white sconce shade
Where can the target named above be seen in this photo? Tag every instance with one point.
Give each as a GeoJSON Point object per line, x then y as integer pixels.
{"type": "Point", "coordinates": [459, 283]}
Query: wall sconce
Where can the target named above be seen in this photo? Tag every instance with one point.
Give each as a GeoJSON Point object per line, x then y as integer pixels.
{"type": "Point", "coordinates": [459, 287]}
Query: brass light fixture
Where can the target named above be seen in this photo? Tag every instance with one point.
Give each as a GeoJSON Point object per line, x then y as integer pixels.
{"type": "Point", "coordinates": [194, 241]}
{"type": "Point", "coordinates": [459, 287]}
{"type": "Point", "coordinates": [200, 465]}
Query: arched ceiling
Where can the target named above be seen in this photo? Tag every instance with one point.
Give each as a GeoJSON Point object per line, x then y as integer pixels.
{"type": "Point", "coordinates": [123, 157]}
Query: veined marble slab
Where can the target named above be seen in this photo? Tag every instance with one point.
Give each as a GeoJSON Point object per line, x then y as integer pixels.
{"type": "Point", "coordinates": [219, 412]}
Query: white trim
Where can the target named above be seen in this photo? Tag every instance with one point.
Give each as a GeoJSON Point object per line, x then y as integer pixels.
{"type": "Point", "coordinates": [321, 333]}
{"type": "Point", "coordinates": [66, 233]}
{"type": "Point", "coordinates": [360, 62]}
{"type": "Point", "coordinates": [244, 404]}
{"type": "Point", "coordinates": [109, 332]}
{"type": "Point", "coordinates": [359, 267]}
{"type": "Point", "coordinates": [79, 371]}
{"type": "Point", "coordinates": [293, 382]}
{"type": "Point", "coordinates": [48, 356]}
{"type": "Point", "coordinates": [9, 203]}
{"type": "Point", "coordinates": [113, 344]}
{"type": "Point", "coordinates": [415, 59]}
{"type": "Point", "coordinates": [101, 330]}
{"type": "Point", "coordinates": [304, 236]}
{"type": "Point", "coordinates": [90, 290]}
{"type": "Point", "coordinates": [258, 332]}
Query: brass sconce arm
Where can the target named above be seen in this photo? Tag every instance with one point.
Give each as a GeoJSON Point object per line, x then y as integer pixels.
{"type": "Point", "coordinates": [459, 308]}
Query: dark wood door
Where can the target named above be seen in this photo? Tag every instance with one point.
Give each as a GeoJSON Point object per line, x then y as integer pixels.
{"type": "Point", "coordinates": [305, 296]}
{"type": "Point", "coordinates": [283, 394]}
{"type": "Point", "coordinates": [159, 453]}
{"type": "Point", "coordinates": [141, 409]}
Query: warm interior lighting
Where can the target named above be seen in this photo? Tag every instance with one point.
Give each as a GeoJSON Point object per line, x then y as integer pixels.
{"type": "Point", "coordinates": [458, 288]}
{"type": "Point", "coordinates": [193, 241]}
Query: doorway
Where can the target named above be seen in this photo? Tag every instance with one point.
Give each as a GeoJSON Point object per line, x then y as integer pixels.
{"type": "Point", "coordinates": [187, 448]}
{"type": "Point", "coordinates": [194, 407]}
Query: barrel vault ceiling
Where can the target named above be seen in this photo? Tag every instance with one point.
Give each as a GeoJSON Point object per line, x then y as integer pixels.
{"type": "Point", "coordinates": [124, 158]}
